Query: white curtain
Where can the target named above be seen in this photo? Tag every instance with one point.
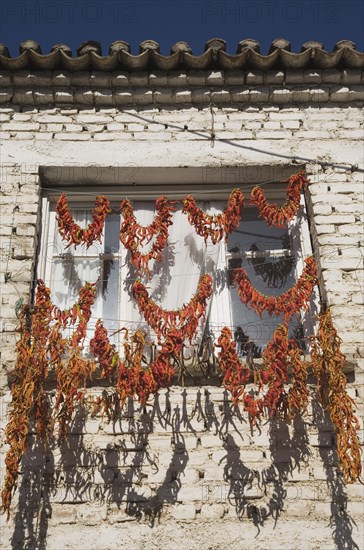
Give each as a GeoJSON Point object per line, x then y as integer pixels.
{"type": "Point", "coordinates": [174, 280]}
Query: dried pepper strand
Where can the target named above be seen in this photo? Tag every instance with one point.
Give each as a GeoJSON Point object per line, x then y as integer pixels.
{"type": "Point", "coordinates": [298, 392]}
{"type": "Point", "coordinates": [133, 235]}
{"type": "Point", "coordinates": [216, 226]}
{"type": "Point", "coordinates": [185, 319]}
{"type": "Point", "coordinates": [29, 399]}
{"type": "Point", "coordinates": [133, 378]}
{"type": "Point", "coordinates": [279, 355]}
{"type": "Point", "coordinates": [236, 373]}
{"type": "Point", "coordinates": [70, 231]}
{"type": "Point", "coordinates": [276, 360]}
{"type": "Point", "coordinates": [288, 303]}
{"type": "Point", "coordinates": [73, 373]}
{"type": "Point", "coordinates": [328, 362]}
{"type": "Point", "coordinates": [280, 215]}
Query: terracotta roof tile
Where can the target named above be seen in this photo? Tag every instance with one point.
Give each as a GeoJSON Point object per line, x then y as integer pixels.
{"type": "Point", "coordinates": [248, 56]}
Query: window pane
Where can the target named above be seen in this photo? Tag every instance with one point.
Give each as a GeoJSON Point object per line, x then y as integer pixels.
{"type": "Point", "coordinates": [264, 253]}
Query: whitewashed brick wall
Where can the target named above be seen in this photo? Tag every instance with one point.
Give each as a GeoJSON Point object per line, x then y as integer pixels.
{"type": "Point", "coordinates": [189, 469]}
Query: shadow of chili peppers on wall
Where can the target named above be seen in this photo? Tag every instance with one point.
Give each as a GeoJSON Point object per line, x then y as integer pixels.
{"type": "Point", "coordinates": [249, 486]}
{"type": "Point", "coordinates": [34, 508]}
{"type": "Point", "coordinates": [124, 469]}
{"type": "Point", "coordinates": [334, 491]}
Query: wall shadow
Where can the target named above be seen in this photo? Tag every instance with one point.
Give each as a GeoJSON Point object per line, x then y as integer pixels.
{"type": "Point", "coordinates": [340, 521]}
{"type": "Point", "coordinates": [116, 468]}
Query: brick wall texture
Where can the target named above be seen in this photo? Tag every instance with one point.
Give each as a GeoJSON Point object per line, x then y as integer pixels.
{"type": "Point", "coordinates": [188, 469]}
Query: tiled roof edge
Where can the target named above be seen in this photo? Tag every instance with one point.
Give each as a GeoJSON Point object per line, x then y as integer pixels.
{"type": "Point", "coordinates": [248, 56]}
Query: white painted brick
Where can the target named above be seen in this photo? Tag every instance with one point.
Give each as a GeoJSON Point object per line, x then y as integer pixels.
{"type": "Point", "coordinates": [274, 77]}
{"type": "Point", "coordinates": [273, 134]}
{"type": "Point", "coordinates": [234, 78]}
{"type": "Point", "coordinates": [4, 117]}
{"type": "Point", "coordinates": [272, 125]}
{"type": "Point", "coordinates": [252, 125]}
{"type": "Point", "coordinates": [21, 127]}
{"type": "Point", "coordinates": [115, 136]}
{"type": "Point", "coordinates": [176, 79]}
{"type": "Point", "coordinates": [351, 134]}
{"type": "Point", "coordinates": [339, 93]}
{"type": "Point", "coordinates": [241, 134]}
{"type": "Point", "coordinates": [282, 96]}
{"type": "Point", "coordinates": [73, 127]}
{"type": "Point", "coordinates": [41, 136]}
{"type": "Point", "coordinates": [84, 97]}
{"type": "Point", "coordinates": [301, 94]}
{"type": "Point", "coordinates": [350, 124]}
{"type": "Point", "coordinates": [254, 77]}
{"type": "Point", "coordinates": [217, 507]}
{"type": "Point", "coordinates": [220, 96]}
{"type": "Point", "coordinates": [72, 137]}
{"type": "Point", "coordinates": [196, 78]}
{"type": "Point", "coordinates": [63, 96]}
{"type": "Point", "coordinates": [291, 124]}
{"type": "Point", "coordinates": [23, 135]}
{"type": "Point", "coordinates": [215, 78]}
{"type": "Point", "coordinates": [259, 95]}
{"type": "Point", "coordinates": [52, 119]}
{"type": "Point", "coordinates": [93, 119]}
{"type": "Point", "coordinates": [182, 512]}
{"type": "Point", "coordinates": [239, 96]}
{"type": "Point", "coordinates": [350, 76]}
{"type": "Point", "coordinates": [138, 79]}
{"type": "Point", "coordinates": [120, 80]}
{"type": "Point", "coordinates": [331, 76]}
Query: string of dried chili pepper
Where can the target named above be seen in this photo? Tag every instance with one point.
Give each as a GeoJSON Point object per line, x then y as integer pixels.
{"type": "Point", "coordinates": [327, 363]}
{"type": "Point", "coordinates": [185, 319]}
{"type": "Point", "coordinates": [29, 399]}
{"type": "Point", "coordinates": [288, 303]}
{"type": "Point", "coordinates": [216, 226]}
{"type": "Point", "coordinates": [280, 215]}
{"type": "Point", "coordinates": [71, 232]}
{"type": "Point", "coordinates": [133, 235]}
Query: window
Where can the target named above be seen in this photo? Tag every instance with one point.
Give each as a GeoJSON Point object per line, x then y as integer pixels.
{"type": "Point", "coordinates": [272, 257]}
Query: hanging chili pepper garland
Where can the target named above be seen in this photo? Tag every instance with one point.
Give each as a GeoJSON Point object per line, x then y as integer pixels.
{"type": "Point", "coordinates": [216, 226]}
{"type": "Point", "coordinates": [70, 231]}
{"type": "Point", "coordinates": [280, 215]}
{"type": "Point", "coordinates": [280, 355]}
{"type": "Point", "coordinates": [298, 392]}
{"type": "Point", "coordinates": [29, 399]}
{"type": "Point", "coordinates": [133, 235]}
{"type": "Point", "coordinates": [328, 362]}
{"type": "Point", "coordinates": [184, 319]}
{"type": "Point", "coordinates": [43, 346]}
{"type": "Point", "coordinates": [133, 377]}
{"type": "Point", "coordinates": [288, 303]}
{"type": "Point", "coordinates": [236, 373]}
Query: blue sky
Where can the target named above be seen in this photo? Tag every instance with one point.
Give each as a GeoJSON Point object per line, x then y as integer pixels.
{"type": "Point", "coordinates": [72, 22]}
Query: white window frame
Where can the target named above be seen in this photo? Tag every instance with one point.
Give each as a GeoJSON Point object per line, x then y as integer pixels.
{"type": "Point", "coordinates": [150, 191]}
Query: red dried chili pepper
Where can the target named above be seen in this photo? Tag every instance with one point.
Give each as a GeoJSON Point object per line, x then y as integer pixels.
{"type": "Point", "coordinates": [70, 231]}
{"type": "Point", "coordinates": [133, 235]}
{"type": "Point", "coordinates": [327, 363]}
{"type": "Point", "coordinates": [215, 226]}
{"type": "Point", "coordinates": [288, 303]}
{"type": "Point", "coordinates": [280, 215]}
{"type": "Point", "coordinates": [185, 319]}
